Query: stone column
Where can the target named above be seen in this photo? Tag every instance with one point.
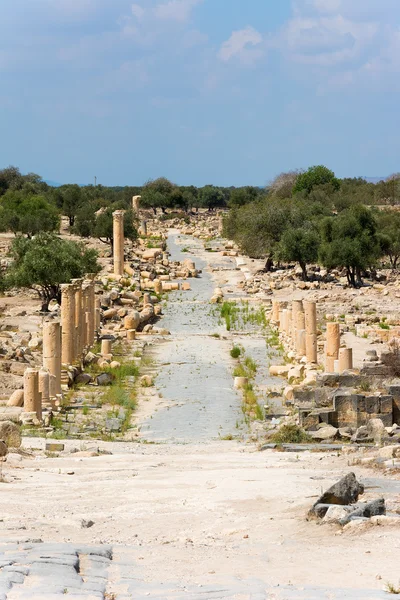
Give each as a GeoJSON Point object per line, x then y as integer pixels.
{"type": "Point", "coordinates": [97, 303]}
{"type": "Point", "coordinates": [106, 348]}
{"type": "Point", "coordinates": [68, 324]}
{"type": "Point", "coordinates": [310, 317]}
{"type": "Point", "coordinates": [136, 204]}
{"type": "Point", "coordinates": [345, 359]}
{"type": "Point", "coordinates": [275, 311]}
{"type": "Point", "coordinates": [301, 347]}
{"type": "Point", "coordinates": [332, 346]}
{"type": "Point", "coordinates": [85, 312]}
{"type": "Point", "coordinates": [158, 287]}
{"type": "Point", "coordinates": [32, 400]}
{"type": "Point", "coordinates": [289, 322]}
{"type": "Point", "coordinates": [90, 312]}
{"type": "Point", "coordinates": [118, 242]}
{"type": "Point", "coordinates": [78, 317]}
{"type": "Point", "coordinates": [297, 307]}
{"type": "Point", "coordinates": [283, 320]}
{"type": "Point", "coordinates": [143, 228]}
{"type": "Point", "coordinates": [44, 388]}
{"type": "Point", "coordinates": [301, 333]}
{"type": "Point", "coordinates": [52, 353]}
{"type": "Point", "coordinates": [147, 299]}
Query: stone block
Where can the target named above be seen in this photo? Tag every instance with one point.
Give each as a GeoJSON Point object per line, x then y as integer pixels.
{"type": "Point", "coordinates": [372, 404]}
{"type": "Point", "coordinates": [346, 408]}
{"type": "Point", "coordinates": [54, 447]}
{"type": "Point", "coordinates": [386, 403]}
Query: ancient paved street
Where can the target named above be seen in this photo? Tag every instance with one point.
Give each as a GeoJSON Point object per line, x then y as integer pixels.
{"type": "Point", "coordinates": [185, 515]}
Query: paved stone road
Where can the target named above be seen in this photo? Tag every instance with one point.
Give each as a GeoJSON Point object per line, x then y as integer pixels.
{"type": "Point", "coordinates": [41, 571]}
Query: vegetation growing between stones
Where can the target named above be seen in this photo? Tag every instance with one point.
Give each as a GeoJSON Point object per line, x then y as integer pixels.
{"type": "Point", "coordinates": [241, 316]}
{"type": "Point", "coordinates": [247, 368]}
{"type": "Point", "coordinates": [290, 433]}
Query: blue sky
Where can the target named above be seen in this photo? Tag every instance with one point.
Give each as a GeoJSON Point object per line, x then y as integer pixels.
{"type": "Point", "coordinates": [229, 92]}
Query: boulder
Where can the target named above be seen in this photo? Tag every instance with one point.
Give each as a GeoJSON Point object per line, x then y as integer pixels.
{"type": "Point", "coordinates": [376, 430]}
{"type": "Point", "coordinates": [10, 433]}
{"type": "Point", "coordinates": [389, 452]}
{"type": "Point", "coordinates": [324, 433]}
{"type": "Point", "coordinates": [368, 510]}
{"type": "Point", "coordinates": [84, 379]}
{"type": "Point", "coordinates": [89, 358]}
{"type": "Point", "coordinates": [336, 513]}
{"type": "Point", "coordinates": [361, 435]}
{"type": "Point", "coordinates": [104, 379]}
{"type": "Point", "coordinates": [279, 370]}
{"type": "Point", "coordinates": [3, 449]}
{"type": "Point", "coordinates": [344, 492]}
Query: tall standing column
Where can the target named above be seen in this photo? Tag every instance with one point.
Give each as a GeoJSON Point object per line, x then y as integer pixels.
{"type": "Point", "coordinates": [118, 242]}
{"type": "Point", "coordinates": [85, 312]}
{"type": "Point", "coordinates": [90, 312]}
{"type": "Point", "coordinates": [32, 399]}
{"type": "Point", "coordinates": [297, 307]}
{"type": "Point", "coordinates": [52, 353]}
{"type": "Point", "coordinates": [67, 323]}
{"type": "Point", "coordinates": [310, 314]}
{"type": "Point", "coordinates": [275, 311]}
{"type": "Point", "coordinates": [136, 204]}
{"type": "Point", "coordinates": [97, 304]}
{"type": "Point", "coordinates": [301, 334]}
{"type": "Point", "coordinates": [332, 346]}
{"type": "Point", "coordinates": [44, 388]}
{"type": "Point", "coordinates": [78, 317]}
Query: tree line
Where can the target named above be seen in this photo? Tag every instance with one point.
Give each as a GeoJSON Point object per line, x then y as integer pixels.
{"type": "Point", "coordinates": [313, 217]}
{"type": "Point", "coordinates": [304, 216]}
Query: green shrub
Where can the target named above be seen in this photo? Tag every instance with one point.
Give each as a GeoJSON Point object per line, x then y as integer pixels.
{"type": "Point", "coordinates": [291, 434]}
{"type": "Point", "coordinates": [235, 352]}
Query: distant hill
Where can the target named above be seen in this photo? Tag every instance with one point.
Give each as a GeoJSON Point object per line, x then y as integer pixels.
{"type": "Point", "coordinates": [53, 183]}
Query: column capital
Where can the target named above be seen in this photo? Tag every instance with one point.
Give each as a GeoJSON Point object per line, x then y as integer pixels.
{"type": "Point", "coordinates": [67, 289]}
{"type": "Point", "coordinates": [118, 215]}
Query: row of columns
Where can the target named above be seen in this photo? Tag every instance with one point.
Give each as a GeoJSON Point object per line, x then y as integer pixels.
{"type": "Point", "coordinates": [300, 323]}
{"type": "Point", "coordinates": [63, 343]}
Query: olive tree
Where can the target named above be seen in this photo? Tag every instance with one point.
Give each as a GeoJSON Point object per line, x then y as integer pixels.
{"type": "Point", "coordinates": [45, 262]}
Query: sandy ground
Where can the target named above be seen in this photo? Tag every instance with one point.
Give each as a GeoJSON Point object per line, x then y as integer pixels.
{"type": "Point", "coordinates": [204, 514]}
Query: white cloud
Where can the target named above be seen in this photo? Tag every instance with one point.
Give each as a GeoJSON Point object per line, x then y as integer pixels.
{"type": "Point", "coordinates": [175, 10]}
{"type": "Point", "coordinates": [326, 39]}
{"type": "Point", "coordinates": [137, 11]}
{"type": "Point", "coordinates": [238, 46]}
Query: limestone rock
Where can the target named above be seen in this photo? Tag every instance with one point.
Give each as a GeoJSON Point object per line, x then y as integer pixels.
{"type": "Point", "coordinates": [325, 433]}
{"type": "Point", "coordinates": [3, 449]}
{"type": "Point", "coordinates": [376, 429]}
{"type": "Point", "coordinates": [368, 510]}
{"type": "Point", "coordinates": [10, 433]}
{"type": "Point", "coordinates": [335, 514]}
{"type": "Point", "coordinates": [345, 491]}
